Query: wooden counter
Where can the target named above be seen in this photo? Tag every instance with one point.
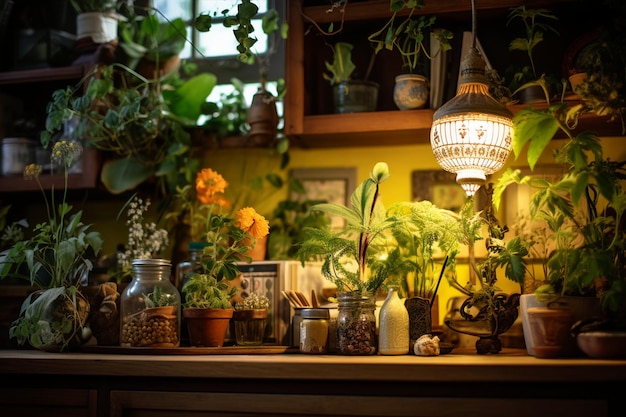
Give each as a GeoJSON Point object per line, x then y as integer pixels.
{"type": "Point", "coordinates": [510, 383]}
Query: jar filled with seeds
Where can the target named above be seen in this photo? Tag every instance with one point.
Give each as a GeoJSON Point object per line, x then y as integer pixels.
{"type": "Point", "coordinates": [356, 324]}
{"type": "Point", "coordinates": [150, 307]}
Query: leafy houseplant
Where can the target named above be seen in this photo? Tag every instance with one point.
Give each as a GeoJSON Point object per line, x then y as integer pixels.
{"type": "Point", "coordinates": [349, 95]}
{"type": "Point", "coordinates": [534, 30]}
{"type": "Point", "coordinates": [351, 257]}
{"type": "Point", "coordinates": [583, 209]}
{"type": "Point", "coordinates": [55, 260]}
{"type": "Point", "coordinates": [140, 123]}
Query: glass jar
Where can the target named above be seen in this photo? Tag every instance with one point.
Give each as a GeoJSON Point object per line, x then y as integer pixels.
{"type": "Point", "coordinates": [192, 264]}
{"type": "Point", "coordinates": [150, 307]}
{"type": "Point", "coordinates": [314, 330]}
{"type": "Point", "coordinates": [356, 324]}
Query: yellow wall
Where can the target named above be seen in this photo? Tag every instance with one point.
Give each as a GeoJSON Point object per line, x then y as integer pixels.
{"type": "Point", "coordinates": [237, 166]}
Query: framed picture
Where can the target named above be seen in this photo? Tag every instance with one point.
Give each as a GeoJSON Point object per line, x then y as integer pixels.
{"type": "Point", "coordinates": [440, 188]}
{"type": "Point", "coordinates": [335, 185]}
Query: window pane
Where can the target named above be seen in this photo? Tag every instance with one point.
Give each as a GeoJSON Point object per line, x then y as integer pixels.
{"type": "Point", "coordinates": [172, 9]}
{"type": "Point", "coordinates": [221, 41]}
{"type": "Point", "coordinates": [211, 6]}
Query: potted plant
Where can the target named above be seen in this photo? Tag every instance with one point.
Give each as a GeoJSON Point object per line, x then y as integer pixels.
{"type": "Point", "coordinates": [55, 259]}
{"type": "Point", "coordinates": [262, 117]}
{"type": "Point", "coordinates": [352, 260]}
{"type": "Point", "coordinates": [140, 123]}
{"type": "Point", "coordinates": [582, 209]}
{"type": "Point", "coordinates": [229, 240]}
{"type": "Point", "coordinates": [349, 95]}
{"type": "Point", "coordinates": [250, 318]}
{"type": "Point", "coordinates": [149, 42]}
{"type": "Point", "coordinates": [406, 34]}
{"type": "Point", "coordinates": [426, 239]}
{"type": "Point", "coordinates": [96, 24]}
{"type": "Point", "coordinates": [527, 80]}
{"type": "Point", "coordinates": [487, 312]}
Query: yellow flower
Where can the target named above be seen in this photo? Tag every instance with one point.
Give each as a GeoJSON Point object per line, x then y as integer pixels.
{"type": "Point", "coordinates": [208, 184]}
{"type": "Point", "coordinates": [32, 171]}
{"type": "Point", "coordinates": [252, 222]}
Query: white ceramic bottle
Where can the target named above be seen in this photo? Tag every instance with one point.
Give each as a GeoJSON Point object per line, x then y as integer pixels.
{"type": "Point", "coordinates": [393, 327]}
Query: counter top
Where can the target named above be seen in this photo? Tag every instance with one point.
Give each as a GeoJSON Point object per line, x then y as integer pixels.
{"type": "Point", "coordinates": [510, 365]}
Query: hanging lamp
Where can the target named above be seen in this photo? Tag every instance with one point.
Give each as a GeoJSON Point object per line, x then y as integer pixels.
{"type": "Point", "coordinates": [471, 134]}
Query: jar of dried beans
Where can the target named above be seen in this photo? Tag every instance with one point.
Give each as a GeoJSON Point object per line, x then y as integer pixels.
{"type": "Point", "coordinates": [356, 324]}
{"type": "Point", "coordinates": [150, 307]}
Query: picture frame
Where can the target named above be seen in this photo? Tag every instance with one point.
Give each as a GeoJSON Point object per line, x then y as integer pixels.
{"type": "Point", "coordinates": [440, 188]}
{"type": "Point", "coordinates": [335, 185]}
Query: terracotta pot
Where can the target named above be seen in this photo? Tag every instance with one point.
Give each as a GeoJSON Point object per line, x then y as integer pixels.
{"type": "Point", "coordinates": [550, 328]}
{"type": "Point", "coordinates": [262, 118]}
{"type": "Point", "coordinates": [207, 326]}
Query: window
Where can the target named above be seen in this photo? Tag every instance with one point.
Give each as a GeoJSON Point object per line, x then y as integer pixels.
{"type": "Point", "coordinates": [215, 51]}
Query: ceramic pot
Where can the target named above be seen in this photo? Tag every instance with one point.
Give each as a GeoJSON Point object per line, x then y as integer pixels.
{"type": "Point", "coordinates": [550, 328]}
{"type": "Point", "coordinates": [410, 91]}
{"type": "Point", "coordinates": [581, 308]}
{"type": "Point", "coordinates": [262, 118]}
{"type": "Point", "coordinates": [576, 79]}
{"type": "Point", "coordinates": [207, 326]}
{"type": "Point", "coordinates": [602, 344]}
{"type": "Point", "coordinates": [355, 96]}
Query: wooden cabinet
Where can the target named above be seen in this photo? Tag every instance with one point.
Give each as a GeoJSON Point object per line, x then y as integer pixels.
{"type": "Point", "coordinates": [33, 89]}
{"type": "Point", "coordinates": [309, 120]}
{"type": "Point", "coordinates": [510, 383]}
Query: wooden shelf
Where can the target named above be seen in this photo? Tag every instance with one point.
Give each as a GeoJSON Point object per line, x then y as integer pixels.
{"type": "Point", "coordinates": [87, 179]}
{"type": "Point", "coordinates": [41, 82]}
{"type": "Point", "coordinates": [308, 127]}
{"type": "Point", "coordinates": [42, 75]}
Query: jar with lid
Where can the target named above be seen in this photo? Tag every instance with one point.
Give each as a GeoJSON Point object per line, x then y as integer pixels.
{"type": "Point", "coordinates": [356, 324]}
{"type": "Point", "coordinates": [150, 306]}
{"type": "Point", "coordinates": [192, 264]}
{"type": "Point", "coordinates": [314, 330]}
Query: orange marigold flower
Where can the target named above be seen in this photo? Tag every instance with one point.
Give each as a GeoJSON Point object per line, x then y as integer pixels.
{"type": "Point", "coordinates": [252, 222]}
{"type": "Point", "coordinates": [209, 183]}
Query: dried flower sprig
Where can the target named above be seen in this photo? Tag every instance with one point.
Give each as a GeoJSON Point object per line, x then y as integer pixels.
{"type": "Point", "coordinates": [145, 240]}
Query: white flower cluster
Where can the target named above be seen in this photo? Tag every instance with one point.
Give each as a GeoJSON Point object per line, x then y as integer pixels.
{"type": "Point", "coordinates": [144, 239]}
{"type": "Point", "coordinates": [253, 302]}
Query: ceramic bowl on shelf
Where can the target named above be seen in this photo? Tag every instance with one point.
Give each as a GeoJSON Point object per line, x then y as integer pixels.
{"type": "Point", "coordinates": [603, 344]}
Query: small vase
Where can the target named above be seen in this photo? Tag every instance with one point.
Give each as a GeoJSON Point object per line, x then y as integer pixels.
{"type": "Point", "coordinates": [250, 326]}
{"type": "Point", "coordinates": [420, 319]}
{"type": "Point", "coordinates": [393, 335]}
{"type": "Point", "coordinates": [410, 91]}
{"type": "Point", "coordinates": [262, 118]}
{"type": "Point", "coordinates": [356, 324]}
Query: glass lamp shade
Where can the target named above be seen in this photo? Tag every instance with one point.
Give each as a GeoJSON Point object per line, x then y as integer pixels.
{"type": "Point", "coordinates": [471, 134]}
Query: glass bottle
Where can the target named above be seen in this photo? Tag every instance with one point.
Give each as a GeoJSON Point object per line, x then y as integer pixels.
{"type": "Point", "coordinates": [150, 307]}
{"type": "Point", "coordinates": [356, 324]}
{"type": "Point", "coordinates": [314, 330]}
{"type": "Point", "coordinates": [192, 264]}
{"type": "Point", "coordinates": [393, 327]}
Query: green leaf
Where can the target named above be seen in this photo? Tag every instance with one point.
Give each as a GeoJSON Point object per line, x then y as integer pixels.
{"type": "Point", "coordinates": [119, 175]}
